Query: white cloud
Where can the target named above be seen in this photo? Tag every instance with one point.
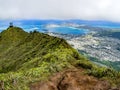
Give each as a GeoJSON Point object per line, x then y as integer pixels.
{"type": "Point", "coordinates": [60, 9]}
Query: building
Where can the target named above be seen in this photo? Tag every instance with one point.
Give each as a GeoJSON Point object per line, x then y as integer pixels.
{"type": "Point", "coordinates": [11, 24]}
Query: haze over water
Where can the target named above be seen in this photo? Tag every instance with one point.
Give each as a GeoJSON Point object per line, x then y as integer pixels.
{"type": "Point", "coordinates": [42, 25]}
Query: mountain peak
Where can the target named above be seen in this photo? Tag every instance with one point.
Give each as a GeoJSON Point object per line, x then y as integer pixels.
{"type": "Point", "coordinates": [13, 34]}
{"type": "Point", "coordinates": [17, 29]}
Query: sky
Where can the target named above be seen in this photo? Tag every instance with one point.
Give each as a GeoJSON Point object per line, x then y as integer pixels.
{"type": "Point", "coordinates": [108, 10]}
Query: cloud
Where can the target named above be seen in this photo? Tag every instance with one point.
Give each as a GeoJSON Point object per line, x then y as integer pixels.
{"type": "Point", "coordinates": [60, 9]}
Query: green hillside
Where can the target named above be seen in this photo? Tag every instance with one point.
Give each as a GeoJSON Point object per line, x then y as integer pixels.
{"type": "Point", "coordinates": [10, 37]}
{"type": "Point", "coordinates": [26, 58]}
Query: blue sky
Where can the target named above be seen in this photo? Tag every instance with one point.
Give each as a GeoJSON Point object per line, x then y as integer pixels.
{"type": "Point", "coordinates": [60, 9]}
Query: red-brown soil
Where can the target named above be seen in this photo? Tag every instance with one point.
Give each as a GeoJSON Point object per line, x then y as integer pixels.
{"type": "Point", "coordinates": [72, 79]}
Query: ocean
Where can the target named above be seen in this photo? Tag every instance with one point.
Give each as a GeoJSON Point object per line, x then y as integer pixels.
{"type": "Point", "coordinates": [58, 26]}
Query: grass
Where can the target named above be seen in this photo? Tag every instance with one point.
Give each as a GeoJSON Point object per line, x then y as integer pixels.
{"type": "Point", "coordinates": [32, 57]}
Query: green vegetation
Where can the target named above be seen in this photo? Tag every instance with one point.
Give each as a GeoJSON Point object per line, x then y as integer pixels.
{"type": "Point", "coordinates": [105, 63]}
{"type": "Point", "coordinates": [104, 73]}
{"type": "Point", "coordinates": [111, 64]}
{"type": "Point", "coordinates": [30, 57]}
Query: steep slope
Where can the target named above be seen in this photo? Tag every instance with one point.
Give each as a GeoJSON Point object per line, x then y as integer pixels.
{"type": "Point", "coordinates": [22, 50]}
{"type": "Point", "coordinates": [32, 54]}
{"type": "Point", "coordinates": [26, 58]}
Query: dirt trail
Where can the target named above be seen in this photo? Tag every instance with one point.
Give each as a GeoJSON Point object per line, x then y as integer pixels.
{"type": "Point", "coordinates": [72, 79]}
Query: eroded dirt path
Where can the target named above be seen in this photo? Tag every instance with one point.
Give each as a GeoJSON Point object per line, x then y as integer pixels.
{"type": "Point", "coordinates": [72, 79]}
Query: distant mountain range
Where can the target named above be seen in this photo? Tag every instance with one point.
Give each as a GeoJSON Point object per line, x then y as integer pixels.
{"type": "Point", "coordinates": [41, 22]}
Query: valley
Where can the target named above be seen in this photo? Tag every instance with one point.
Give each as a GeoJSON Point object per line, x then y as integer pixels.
{"type": "Point", "coordinates": [100, 45]}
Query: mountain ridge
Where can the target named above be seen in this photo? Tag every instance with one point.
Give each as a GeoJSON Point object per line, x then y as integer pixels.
{"type": "Point", "coordinates": [32, 57]}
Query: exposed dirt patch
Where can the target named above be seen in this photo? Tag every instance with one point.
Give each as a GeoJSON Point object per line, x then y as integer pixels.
{"type": "Point", "coordinates": [72, 79]}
